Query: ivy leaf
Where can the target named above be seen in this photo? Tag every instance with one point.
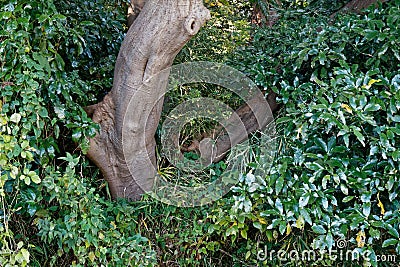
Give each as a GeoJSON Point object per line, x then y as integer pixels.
{"type": "Point", "coordinates": [42, 61]}
{"type": "Point", "coordinates": [91, 256]}
{"type": "Point", "coordinates": [16, 118]}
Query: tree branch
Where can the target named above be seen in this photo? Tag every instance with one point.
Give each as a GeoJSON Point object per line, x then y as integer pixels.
{"type": "Point", "coordinates": [356, 6]}
{"type": "Point", "coordinates": [248, 119]}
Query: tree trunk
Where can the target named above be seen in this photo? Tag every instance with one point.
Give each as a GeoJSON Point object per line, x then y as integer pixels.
{"type": "Point", "coordinates": [162, 28]}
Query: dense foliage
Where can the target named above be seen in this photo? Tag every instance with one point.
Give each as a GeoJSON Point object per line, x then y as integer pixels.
{"type": "Point", "coordinates": [336, 175]}
{"type": "Point", "coordinates": [52, 65]}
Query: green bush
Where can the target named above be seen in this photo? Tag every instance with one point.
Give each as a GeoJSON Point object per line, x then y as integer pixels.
{"type": "Point", "coordinates": [337, 173]}
{"type": "Point", "coordinates": [54, 61]}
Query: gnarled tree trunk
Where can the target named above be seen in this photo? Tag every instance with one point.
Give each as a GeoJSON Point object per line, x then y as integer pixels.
{"type": "Point", "coordinates": [162, 28]}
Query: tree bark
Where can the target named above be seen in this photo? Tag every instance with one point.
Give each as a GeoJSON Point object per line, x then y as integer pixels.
{"type": "Point", "coordinates": [264, 13]}
{"type": "Point", "coordinates": [159, 32]}
{"type": "Point", "coordinates": [357, 6]}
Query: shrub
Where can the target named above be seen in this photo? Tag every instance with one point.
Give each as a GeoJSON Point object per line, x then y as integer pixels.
{"type": "Point", "coordinates": [337, 173]}
{"type": "Point", "coordinates": [50, 69]}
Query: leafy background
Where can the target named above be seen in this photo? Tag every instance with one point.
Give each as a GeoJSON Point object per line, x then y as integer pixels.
{"type": "Point", "coordinates": [336, 175]}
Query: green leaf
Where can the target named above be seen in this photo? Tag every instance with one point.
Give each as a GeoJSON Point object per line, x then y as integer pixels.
{"type": "Point", "coordinates": [347, 199]}
{"type": "Point", "coordinates": [396, 155]}
{"type": "Point", "coordinates": [303, 201]}
{"type": "Point", "coordinates": [330, 241]}
{"type": "Point", "coordinates": [359, 136]}
{"type": "Point", "coordinates": [278, 205]}
{"type": "Point", "coordinates": [374, 233]}
{"type": "Point", "coordinates": [306, 216]}
{"type": "Point", "coordinates": [27, 179]}
{"type": "Point", "coordinates": [367, 209]}
{"type": "Point", "coordinates": [25, 254]}
{"type": "Point", "coordinates": [322, 58]}
{"type": "Point", "coordinates": [91, 256]}
{"type": "Point", "coordinates": [371, 34]}
{"type": "Point", "coordinates": [283, 120]}
{"type": "Point", "coordinates": [43, 18]}
{"type": "Point", "coordinates": [257, 225]}
{"type": "Point", "coordinates": [346, 140]}
{"type": "Point", "coordinates": [325, 203]}
{"type": "Point", "coordinates": [243, 233]}
{"type": "Point", "coordinates": [372, 258]}
{"type": "Point", "coordinates": [60, 62]}
{"type": "Point", "coordinates": [87, 23]}
{"type": "Point", "coordinates": [279, 184]}
{"type": "Point", "coordinates": [42, 61]}
{"type": "Point", "coordinates": [389, 242]}
{"type": "Point", "coordinates": [392, 231]}
{"type": "Point", "coordinates": [36, 179]}
{"type": "Point", "coordinates": [6, 15]}
{"type": "Point", "coordinates": [77, 134]}
{"type": "Point", "coordinates": [372, 107]}
{"type": "Point", "coordinates": [321, 143]}
{"type": "Point", "coordinates": [59, 17]}
{"type": "Point", "coordinates": [318, 229]}
{"type": "Point", "coordinates": [344, 189]}
{"type": "Point", "coordinates": [16, 118]}
{"type": "Point", "coordinates": [43, 113]}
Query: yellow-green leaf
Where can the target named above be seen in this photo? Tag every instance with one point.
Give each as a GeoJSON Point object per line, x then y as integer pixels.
{"type": "Point", "coordinates": [91, 256]}
{"type": "Point", "coordinates": [360, 239]}
{"type": "Point", "coordinates": [370, 83]}
{"type": "Point", "coordinates": [300, 222]}
{"type": "Point", "coordinates": [380, 204]}
{"type": "Point", "coordinates": [347, 108]}
{"type": "Point", "coordinates": [288, 229]}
